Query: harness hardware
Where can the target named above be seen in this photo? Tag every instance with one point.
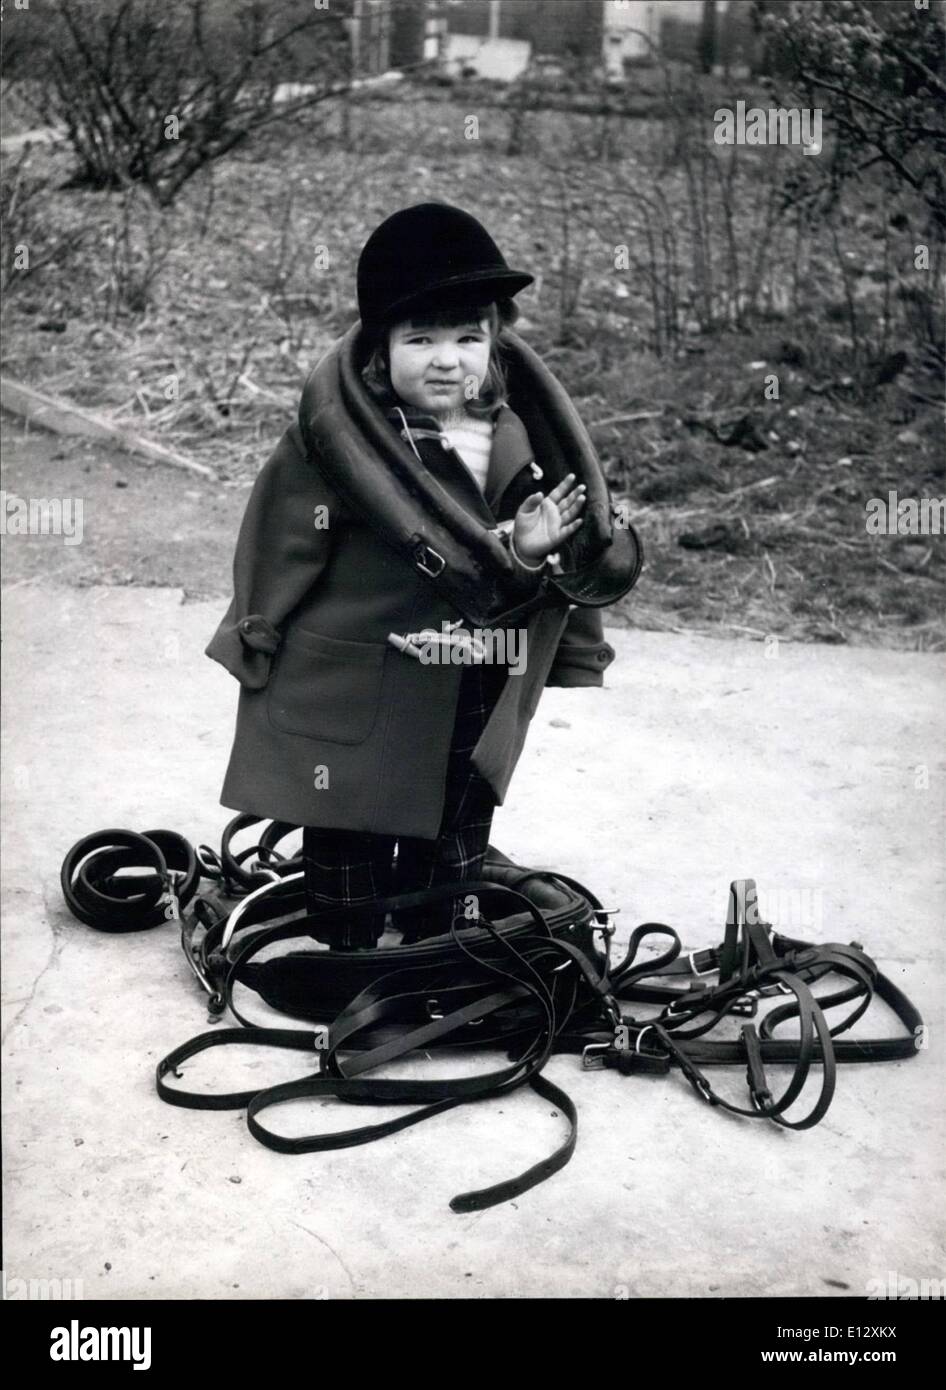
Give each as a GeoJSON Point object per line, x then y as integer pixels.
{"type": "Point", "coordinates": [695, 969]}
{"type": "Point", "coordinates": [593, 1055]}
{"type": "Point", "coordinates": [429, 561]}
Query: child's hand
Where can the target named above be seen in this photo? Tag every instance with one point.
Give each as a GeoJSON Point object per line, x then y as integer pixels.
{"type": "Point", "coordinates": [542, 523]}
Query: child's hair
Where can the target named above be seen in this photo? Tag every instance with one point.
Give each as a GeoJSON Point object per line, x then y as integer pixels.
{"type": "Point", "coordinates": [376, 373]}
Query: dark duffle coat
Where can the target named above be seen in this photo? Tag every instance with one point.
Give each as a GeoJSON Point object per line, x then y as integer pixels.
{"type": "Point", "coordinates": [335, 726]}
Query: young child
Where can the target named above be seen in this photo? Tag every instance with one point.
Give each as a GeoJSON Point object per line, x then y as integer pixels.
{"type": "Point", "coordinates": [369, 713]}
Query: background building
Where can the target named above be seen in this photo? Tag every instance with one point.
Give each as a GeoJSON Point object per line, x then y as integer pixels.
{"type": "Point", "coordinates": [498, 38]}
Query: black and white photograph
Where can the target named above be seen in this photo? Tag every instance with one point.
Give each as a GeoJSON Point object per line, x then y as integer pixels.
{"type": "Point", "coordinates": [474, 639]}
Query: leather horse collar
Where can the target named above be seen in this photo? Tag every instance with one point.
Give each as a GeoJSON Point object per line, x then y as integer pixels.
{"type": "Point", "coordinates": [377, 474]}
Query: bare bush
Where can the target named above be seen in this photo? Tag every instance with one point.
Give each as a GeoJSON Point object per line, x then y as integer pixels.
{"type": "Point", "coordinates": [134, 251]}
{"type": "Point", "coordinates": [152, 91]}
{"type": "Point", "coordinates": [34, 236]}
{"type": "Point", "coordinates": [877, 67]}
{"type": "Point", "coordinates": [880, 68]}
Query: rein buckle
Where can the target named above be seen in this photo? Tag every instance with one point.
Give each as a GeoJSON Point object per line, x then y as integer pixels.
{"type": "Point", "coordinates": [593, 1056]}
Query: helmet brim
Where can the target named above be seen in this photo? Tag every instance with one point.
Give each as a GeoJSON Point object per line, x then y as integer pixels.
{"type": "Point", "coordinates": [473, 286]}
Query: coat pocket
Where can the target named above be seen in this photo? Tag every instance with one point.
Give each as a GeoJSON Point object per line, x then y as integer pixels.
{"type": "Point", "coordinates": [324, 688]}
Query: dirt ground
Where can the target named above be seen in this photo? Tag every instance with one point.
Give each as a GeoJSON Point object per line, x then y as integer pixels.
{"type": "Point", "coordinates": [141, 525]}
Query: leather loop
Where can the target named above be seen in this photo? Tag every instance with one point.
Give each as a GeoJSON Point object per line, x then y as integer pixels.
{"type": "Point", "coordinates": [96, 894]}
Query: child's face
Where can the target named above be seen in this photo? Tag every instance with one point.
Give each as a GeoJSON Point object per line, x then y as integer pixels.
{"type": "Point", "coordinates": [437, 368]}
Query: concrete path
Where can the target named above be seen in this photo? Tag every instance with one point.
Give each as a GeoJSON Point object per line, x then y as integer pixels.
{"type": "Point", "coordinates": [817, 770]}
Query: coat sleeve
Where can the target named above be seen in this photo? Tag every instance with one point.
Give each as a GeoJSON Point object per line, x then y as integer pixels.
{"type": "Point", "coordinates": [284, 543]}
{"type": "Point", "coordinates": [582, 654]}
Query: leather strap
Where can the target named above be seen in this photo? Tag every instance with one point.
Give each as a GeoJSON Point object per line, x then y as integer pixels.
{"type": "Point", "coordinates": [97, 897]}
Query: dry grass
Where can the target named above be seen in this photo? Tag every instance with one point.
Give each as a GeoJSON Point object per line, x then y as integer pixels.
{"type": "Point", "coordinates": [198, 325]}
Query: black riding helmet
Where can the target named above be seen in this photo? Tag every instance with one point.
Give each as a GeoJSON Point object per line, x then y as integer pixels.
{"type": "Point", "coordinates": [430, 255]}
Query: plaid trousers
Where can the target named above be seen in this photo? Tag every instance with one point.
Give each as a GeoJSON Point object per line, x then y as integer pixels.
{"type": "Point", "coordinates": [349, 868]}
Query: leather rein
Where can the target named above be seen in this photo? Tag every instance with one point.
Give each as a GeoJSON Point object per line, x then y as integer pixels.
{"type": "Point", "coordinates": [530, 974]}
